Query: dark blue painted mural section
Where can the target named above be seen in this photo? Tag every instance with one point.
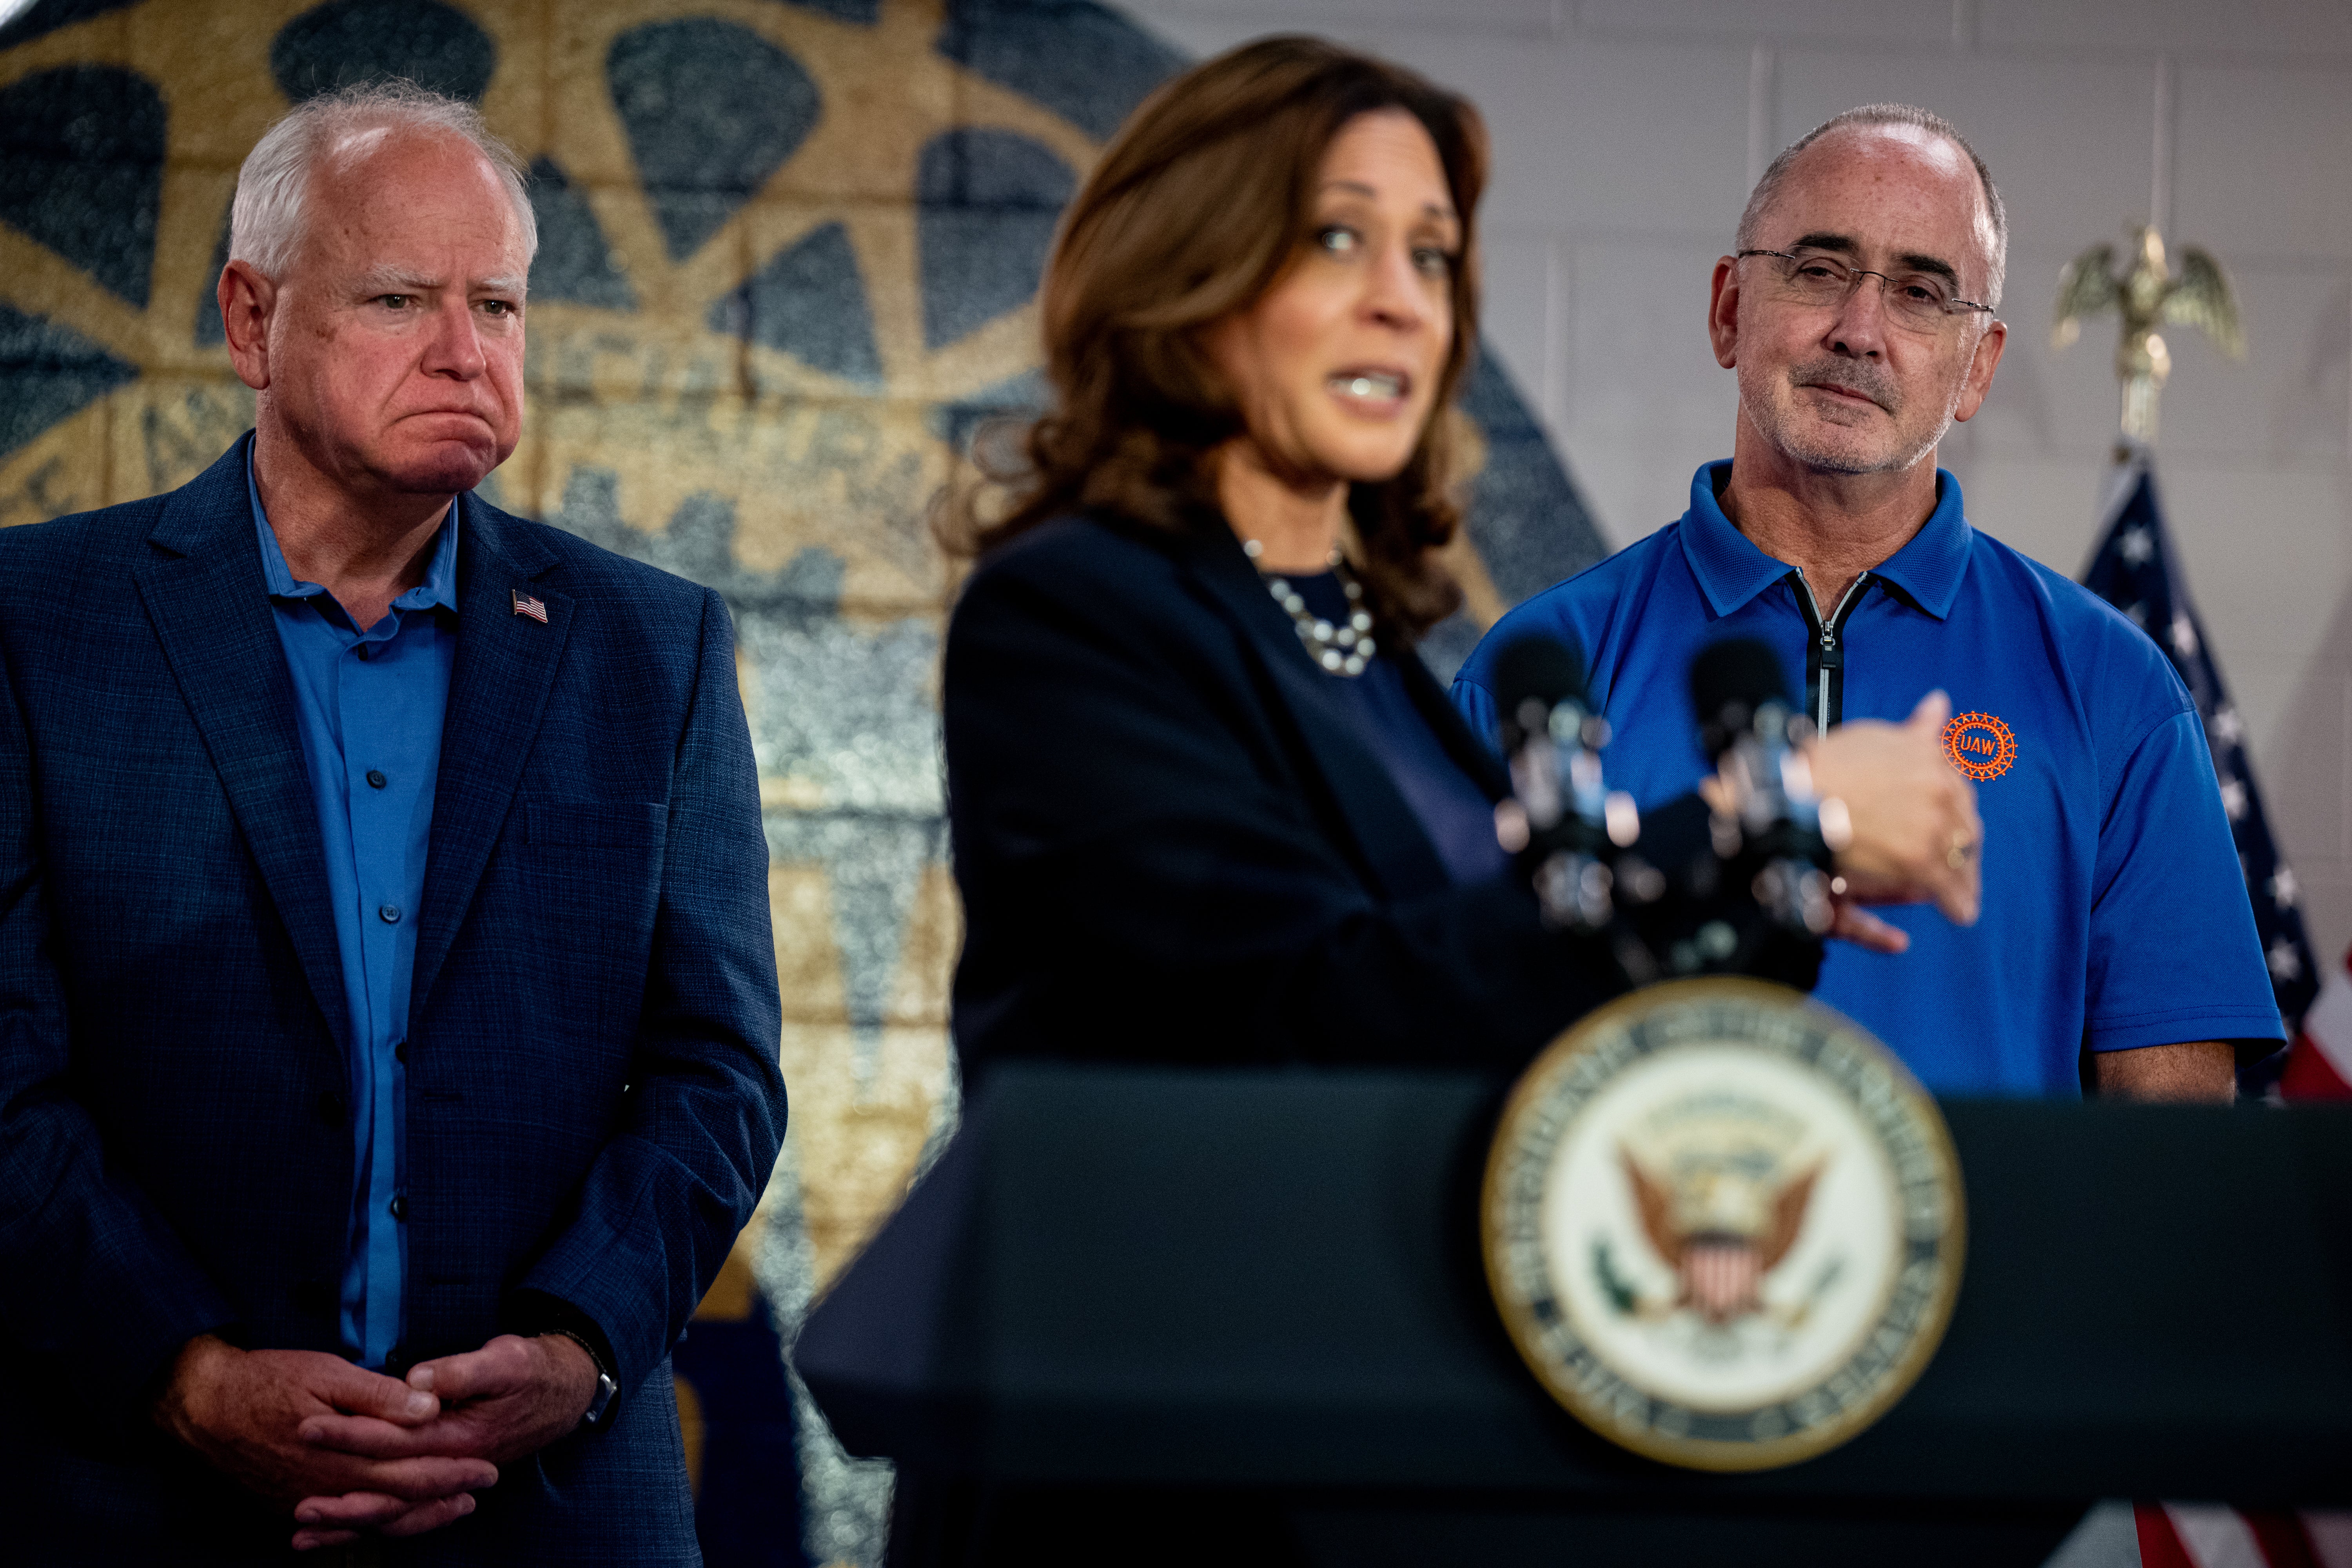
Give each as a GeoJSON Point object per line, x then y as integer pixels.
{"type": "Point", "coordinates": [48, 16]}
{"type": "Point", "coordinates": [209, 331]}
{"type": "Point", "coordinates": [1526, 517]}
{"type": "Point", "coordinates": [349, 41]}
{"type": "Point", "coordinates": [1020, 398]}
{"type": "Point", "coordinates": [83, 169]}
{"type": "Point", "coordinates": [575, 263]}
{"type": "Point", "coordinates": [711, 110]}
{"type": "Point", "coordinates": [808, 302]}
{"type": "Point", "coordinates": [50, 372]}
{"type": "Point", "coordinates": [700, 543]}
{"type": "Point", "coordinates": [988, 200]}
{"type": "Point", "coordinates": [865, 13]}
{"type": "Point", "coordinates": [1087, 64]}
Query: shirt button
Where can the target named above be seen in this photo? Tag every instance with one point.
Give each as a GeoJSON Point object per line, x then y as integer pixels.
{"type": "Point", "coordinates": [399, 1206]}
{"type": "Point", "coordinates": [400, 1053]}
{"type": "Point", "coordinates": [375, 778]}
{"type": "Point", "coordinates": [389, 914]}
{"type": "Point", "coordinates": [363, 651]}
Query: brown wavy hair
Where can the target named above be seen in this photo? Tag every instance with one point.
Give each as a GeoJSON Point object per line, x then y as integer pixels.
{"type": "Point", "coordinates": [1197, 206]}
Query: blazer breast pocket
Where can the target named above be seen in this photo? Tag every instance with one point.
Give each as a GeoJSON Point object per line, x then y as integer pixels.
{"type": "Point", "coordinates": [594, 824]}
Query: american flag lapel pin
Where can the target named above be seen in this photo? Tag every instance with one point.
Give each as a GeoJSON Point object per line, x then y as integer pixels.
{"type": "Point", "coordinates": [524, 604]}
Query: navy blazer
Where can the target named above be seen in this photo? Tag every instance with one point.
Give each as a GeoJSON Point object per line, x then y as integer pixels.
{"type": "Point", "coordinates": [593, 1104]}
{"type": "Point", "coordinates": [1173, 846]}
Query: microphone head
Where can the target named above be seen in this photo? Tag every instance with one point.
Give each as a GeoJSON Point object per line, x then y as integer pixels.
{"type": "Point", "coordinates": [1729, 680]}
{"type": "Point", "coordinates": [1534, 667]}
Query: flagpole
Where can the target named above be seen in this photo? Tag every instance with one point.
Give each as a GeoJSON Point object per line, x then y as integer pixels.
{"type": "Point", "coordinates": [2131, 460]}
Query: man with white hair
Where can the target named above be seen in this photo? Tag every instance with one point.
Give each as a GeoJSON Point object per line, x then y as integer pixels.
{"type": "Point", "coordinates": [388, 1007]}
{"type": "Point", "coordinates": [2115, 947]}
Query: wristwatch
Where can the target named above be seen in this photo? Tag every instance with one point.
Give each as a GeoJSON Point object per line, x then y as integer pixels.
{"type": "Point", "coordinates": [605, 1386]}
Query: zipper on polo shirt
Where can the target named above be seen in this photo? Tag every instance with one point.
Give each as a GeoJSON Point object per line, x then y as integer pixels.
{"type": "Point", "coordinates": [1825, 658]}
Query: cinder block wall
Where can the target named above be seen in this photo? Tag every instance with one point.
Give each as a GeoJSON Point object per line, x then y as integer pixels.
{"type": "Point", "coordinates": [1628, 131]}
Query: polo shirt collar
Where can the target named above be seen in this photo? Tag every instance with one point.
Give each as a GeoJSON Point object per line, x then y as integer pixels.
{"type": "Point", "coordinates": [439, 589]}
{"type": "Point", "coordinates": [1731, 570]}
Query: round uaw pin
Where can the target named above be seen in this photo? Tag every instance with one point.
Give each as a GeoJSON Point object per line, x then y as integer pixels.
{"type": "Point", "coordinates": [1723, 1224]}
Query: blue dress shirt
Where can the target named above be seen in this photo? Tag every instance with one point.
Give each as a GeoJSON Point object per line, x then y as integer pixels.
{"type": "Point", "coordinates": [369, 705]}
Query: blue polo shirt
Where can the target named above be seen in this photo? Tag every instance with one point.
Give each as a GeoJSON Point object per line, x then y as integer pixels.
{"type": "Point", "coordinates": [2115, 913]}
{"type": "Point", "coordinates": [369, 705]}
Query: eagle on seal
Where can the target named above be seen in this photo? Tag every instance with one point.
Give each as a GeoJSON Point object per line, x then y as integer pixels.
{"type": "Point", "coordinates": [1721, 1230]}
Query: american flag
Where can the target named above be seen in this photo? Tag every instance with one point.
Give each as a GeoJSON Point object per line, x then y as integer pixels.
{"type": "Point", "coordinates": [2209, 1535]}
{"type": "Point", "coordinates": [2319, 1063]}
{"type": "Point", "coordinates": [524, 604]}
{"type": "Point", "coordinates": [2137, 571]}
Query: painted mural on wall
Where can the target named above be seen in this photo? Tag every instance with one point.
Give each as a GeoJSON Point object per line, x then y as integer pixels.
{"type": "Point", "coordinates": [788, 258]}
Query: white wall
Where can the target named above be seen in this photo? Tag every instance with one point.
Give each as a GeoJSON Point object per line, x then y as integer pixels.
{"type": "Point", "coordinates": [1627, 133]}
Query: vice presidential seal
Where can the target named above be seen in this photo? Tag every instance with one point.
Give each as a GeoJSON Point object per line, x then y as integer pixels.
{"type": "Point", "coordinates": [1723, 1224]}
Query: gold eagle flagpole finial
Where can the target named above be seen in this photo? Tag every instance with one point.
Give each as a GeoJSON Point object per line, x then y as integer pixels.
{"type": "Point", "coordinates": [2146, 295]}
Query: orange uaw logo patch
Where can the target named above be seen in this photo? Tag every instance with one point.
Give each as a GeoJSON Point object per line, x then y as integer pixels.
{"type": "Point", "coordinates": [1980, 745]}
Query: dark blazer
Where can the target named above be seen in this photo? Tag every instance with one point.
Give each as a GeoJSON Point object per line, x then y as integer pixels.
{"type": "Point", "coordinates": [593, 1104]}
{"type": "Point", "coordinates": [1173, 846]}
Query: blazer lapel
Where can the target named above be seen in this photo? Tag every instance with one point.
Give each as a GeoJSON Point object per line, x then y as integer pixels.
{"type": "Point", "coordinates": [203, 593]}
{"type": "Point", "coordinates": [506, 664]}
{"type": "Point", "coordinates": [1388, 840]}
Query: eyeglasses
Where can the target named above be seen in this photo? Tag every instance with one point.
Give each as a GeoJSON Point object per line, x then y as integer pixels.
{"type": "Point", "coordinates": [1920, 300]}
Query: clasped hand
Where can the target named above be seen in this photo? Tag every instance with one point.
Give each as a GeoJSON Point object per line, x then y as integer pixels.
{"type": "Point", "coordinates": [350, 1450]}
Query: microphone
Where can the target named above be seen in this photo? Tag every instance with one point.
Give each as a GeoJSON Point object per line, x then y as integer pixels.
{"type": "Point", "coordinates": [1751, 729]}
{"type": "Point", "coordinates": [1560, 817]}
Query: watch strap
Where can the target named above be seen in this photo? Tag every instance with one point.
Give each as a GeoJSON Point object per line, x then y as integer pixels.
{"type": "Point", "coordinates": [605, 1387]}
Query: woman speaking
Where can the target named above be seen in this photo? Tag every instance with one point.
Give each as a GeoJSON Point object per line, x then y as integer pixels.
{"type": "Point", "coordinates": [1207, 804]}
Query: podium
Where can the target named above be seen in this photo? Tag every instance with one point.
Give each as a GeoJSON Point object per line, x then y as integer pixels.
{"type": "Point", "coordinates": [1142, 1316]}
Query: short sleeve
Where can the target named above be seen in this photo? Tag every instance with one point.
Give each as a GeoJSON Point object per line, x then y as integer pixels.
{"type": "Point", "coordinates": [2173, 952]}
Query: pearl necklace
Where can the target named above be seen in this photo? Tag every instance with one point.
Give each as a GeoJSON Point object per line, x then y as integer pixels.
{"type": "Point", "coordinates": [1344, 649]}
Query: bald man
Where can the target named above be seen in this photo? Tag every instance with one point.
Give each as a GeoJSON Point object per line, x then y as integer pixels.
{"type": "Point", "coordinates": [2116, 947]}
